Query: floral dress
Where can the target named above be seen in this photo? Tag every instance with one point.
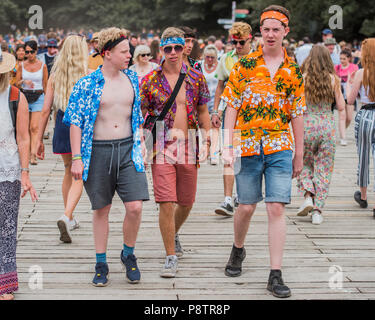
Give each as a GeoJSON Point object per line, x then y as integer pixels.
{"type": "Point", "coordinates": [319, 152]}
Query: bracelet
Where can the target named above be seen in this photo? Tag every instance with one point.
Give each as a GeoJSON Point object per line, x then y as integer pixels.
{"type": "Point", "coordinates": [25, 169]}
{"type": "Point", "coordinates": [76, 158]}
{"type": "Point", "coordinates": [77, 155]}
{"type": "Point", "coordinates": [214, 112]}
{"type": "Point", "coordinates": [229, 146]}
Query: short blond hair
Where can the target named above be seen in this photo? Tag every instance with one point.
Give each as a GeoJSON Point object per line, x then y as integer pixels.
{"type": "Point", "coordinates": [240, 29]}
{"type": "Point", "coordinates": [110, 34]}
{"type": "Point", "coordinates": [172, 32]}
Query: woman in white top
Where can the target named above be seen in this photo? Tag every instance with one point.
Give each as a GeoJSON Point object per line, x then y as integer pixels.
{"type": "Point", "coordinates": [14, 173]}
{"type": "Point", "coordinates": [32, 78]}
{"type": "Point", "coordinates": [64, 76]}
{"type": "Point", "coordinates": [142, 64]}
{"type": "Point", "coordinates": [209, 65]}
{"type": "Point", "coordinates": [363, 82]}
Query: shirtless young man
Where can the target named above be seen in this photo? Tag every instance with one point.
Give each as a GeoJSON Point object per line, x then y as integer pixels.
{"type": "Point", "coordinates": [105, 118]}
{"type": "Point", "coordinates": [175, 176]}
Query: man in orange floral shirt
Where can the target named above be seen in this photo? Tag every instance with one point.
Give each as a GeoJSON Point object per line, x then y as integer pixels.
{"type": "Point", "coordinates": [264, 93]}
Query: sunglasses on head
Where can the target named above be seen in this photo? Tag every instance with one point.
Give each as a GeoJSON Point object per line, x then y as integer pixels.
{"type": "Point", "coordinates": [177, 49]}
{"type": "Point", "coordinates": [241, 42]}
{"type": "Point", "coordinates": [29, 51]}
{"type": "Point", "coordinates": [145, 55]}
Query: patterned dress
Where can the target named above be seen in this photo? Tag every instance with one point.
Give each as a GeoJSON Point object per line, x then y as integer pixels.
{"type": "Point", "coordinates": [10, 191]}
{"type": "Point", "coordinates": [319, 152]}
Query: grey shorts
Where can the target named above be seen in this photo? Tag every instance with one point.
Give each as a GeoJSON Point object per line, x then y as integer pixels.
{"type": "Point", "coordinates": [112, 169]}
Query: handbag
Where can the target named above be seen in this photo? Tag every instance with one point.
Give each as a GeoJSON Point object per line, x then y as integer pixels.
{"type": "Point", "coordinates": [32, 95]}
{"type": "Point", "coordinates": [150, 122]}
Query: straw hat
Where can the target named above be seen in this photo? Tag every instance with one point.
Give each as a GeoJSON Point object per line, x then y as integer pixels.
{"type": "Point", "coordinates": [7, 62]}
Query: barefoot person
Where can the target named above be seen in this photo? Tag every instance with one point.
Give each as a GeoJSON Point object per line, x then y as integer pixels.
{"type": "Point", "coordinates": [175, 175]}
{"type": "Point", "coordinates": [14, 172]}
{"type": "Point", "coordinates": [63, 77]}
{"type": "Point", "coordinates": [105, 117]}
{"type": "Point", "coordinates": [264, 92]}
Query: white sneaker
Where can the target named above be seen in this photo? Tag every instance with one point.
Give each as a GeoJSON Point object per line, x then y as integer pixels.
{"type": "Point", "coordinates": [170, 268]}
{"type": "Point", "coordinates": [73, 224]}
{"type": "Point", "coordinates": [214, 160]}
{"type": "Point", "coordinates": [64, 226]}
{"type": "Point", "coordinates": [306, 207]}
{"type": "Point", "coordinates": [316, 217]}
{"type": "Point", "coordinates": [343, 142]}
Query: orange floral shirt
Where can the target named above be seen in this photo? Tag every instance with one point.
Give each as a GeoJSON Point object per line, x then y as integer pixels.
{"type": "Point", "coordinates": [265, 106]}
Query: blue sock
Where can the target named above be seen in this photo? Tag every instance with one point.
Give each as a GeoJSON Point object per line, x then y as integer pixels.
{"type": "Point", "coordinates": [127, 251]}
{"type": "Point", "coordinates": [101, 257]}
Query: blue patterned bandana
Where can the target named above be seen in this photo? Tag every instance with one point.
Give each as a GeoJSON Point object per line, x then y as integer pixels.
{"type": "Point", "coordinates": [175, 40]}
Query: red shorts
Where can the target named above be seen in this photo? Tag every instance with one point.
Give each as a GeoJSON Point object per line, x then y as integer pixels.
{"type": "Point", "coordinates": [175, 180]}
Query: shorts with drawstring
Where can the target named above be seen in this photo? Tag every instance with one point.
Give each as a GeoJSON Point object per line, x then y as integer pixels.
{"type": "Point", "coordinates": [112, 169]}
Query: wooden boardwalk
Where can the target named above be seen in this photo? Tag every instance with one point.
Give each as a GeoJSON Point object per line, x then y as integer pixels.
{"type": "Point", "coordinates": [345, 239]}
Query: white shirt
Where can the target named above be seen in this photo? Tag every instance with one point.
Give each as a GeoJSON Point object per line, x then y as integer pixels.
{"type": "Point", "coordinates": [10, 169]}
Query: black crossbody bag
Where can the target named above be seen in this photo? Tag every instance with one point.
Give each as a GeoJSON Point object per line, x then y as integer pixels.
{"type": "Point", "coordinates": [150, 139]}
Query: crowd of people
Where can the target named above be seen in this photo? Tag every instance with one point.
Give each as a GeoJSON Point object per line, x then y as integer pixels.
{"type": "Point", "coordinates": [262, 104]}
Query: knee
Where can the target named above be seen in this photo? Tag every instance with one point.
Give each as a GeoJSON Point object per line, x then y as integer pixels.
{"type": "Point", "coordinates": [33, 129]}
{"type": "Point", "coordinates": [135, 209]}
{"type": "Point", "coordinates": [275, 210]}
{"type": "Point", "coordinates": [246, 210]}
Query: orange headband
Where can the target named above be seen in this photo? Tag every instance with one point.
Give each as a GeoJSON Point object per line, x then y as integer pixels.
{"type": "Point", "coordinates": [274, 15]}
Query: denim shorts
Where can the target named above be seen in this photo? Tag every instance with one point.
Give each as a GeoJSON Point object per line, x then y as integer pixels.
{"type": "Point", "coordinates": [277, 169]}
{"type": "Point", "coordinates": [37, 105]}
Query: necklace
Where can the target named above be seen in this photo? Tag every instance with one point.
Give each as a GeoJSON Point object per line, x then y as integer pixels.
{"type": "Point", "coordinates": [209, 69]}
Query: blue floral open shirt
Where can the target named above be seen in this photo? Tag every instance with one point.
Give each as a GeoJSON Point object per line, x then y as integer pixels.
{"type": "Point", "coordinates": [83, 108]}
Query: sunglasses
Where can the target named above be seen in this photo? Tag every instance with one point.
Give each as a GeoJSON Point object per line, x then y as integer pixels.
{"type": "Point", "coordinates": [210, 57]}
{"type": "Point", "coordinates": [177, 49]}
{"type": "Point", "coordinates": [52, 47]}
{"type": "Point", "coordinates": [241, 42]}
{"type": "Point", "coordinates": [29, 52]}
{"type": "Point", "coordinates": [145, 55]}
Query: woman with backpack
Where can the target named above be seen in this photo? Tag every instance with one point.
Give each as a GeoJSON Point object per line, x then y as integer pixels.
{"type": "Point", "coordinates": [14, 172]}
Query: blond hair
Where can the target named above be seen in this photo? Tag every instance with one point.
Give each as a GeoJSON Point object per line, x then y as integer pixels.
{"type": "Point", "coordinates": [240, 29]}
{"type": "Point", "coordinates": [368, 63]}
{"type": "Point", "coordinates": [319, 70]}
{"type": "Point", "coordinates": [4, 81]}
{"type": "Point", "coordinates": [141, 49]}
{"type": "Point", "coordinates": [110, 34]}
{"type": "Point", "coordinates": [172, 32]}
{"type": "Point", "coordinates": [70, 65]}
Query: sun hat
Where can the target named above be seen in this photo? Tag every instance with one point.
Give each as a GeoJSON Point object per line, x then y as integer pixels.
{"type": "Point", "coordinates": [329, 41]}
{"type": "Point", "coordinates": [7, 62]}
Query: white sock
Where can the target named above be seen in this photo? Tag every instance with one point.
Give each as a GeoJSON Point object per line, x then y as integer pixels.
{"type": "Point", "coordinates": [228, 200]}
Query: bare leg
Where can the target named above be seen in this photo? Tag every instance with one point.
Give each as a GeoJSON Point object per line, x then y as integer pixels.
{"type": "Point", "coordinates": [342, 124]}
{"type": "Point", "coordinates": [349, 114]}
{"type": "Point", "coordinates": [276, 233]}
{"type": "Point", "coordinates": [363, 193]}
{"type": "Point", "coordinates": [132, 222]}
{"type": "Point", "coordinates": [34, 123]}
{"type": "Point", "coordinates": [71, 189]}
{"type": "Point", "coordinates": [242, 219]}
{"type": "Point", "coordinates": [101, 228]}
{"type": "Point", "coordinates": [180, 216]}
{"type": "Point", "coordinates": [167, 226]}
{"type": "Point", "coordinates": [228, 181]}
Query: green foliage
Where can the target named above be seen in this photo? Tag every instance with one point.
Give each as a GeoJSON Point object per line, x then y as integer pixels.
{"type": "Point", "coordinates": [308, 17]}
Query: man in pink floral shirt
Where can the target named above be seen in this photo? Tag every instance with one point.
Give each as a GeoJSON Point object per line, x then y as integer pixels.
{"type": "Point", "coordinates": [174, 169]}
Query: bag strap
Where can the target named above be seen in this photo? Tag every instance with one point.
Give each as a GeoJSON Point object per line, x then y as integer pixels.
{"type": "Point", "coordinates": [14, 98]}
{"type": "Point", "coordinates": [173, 96]}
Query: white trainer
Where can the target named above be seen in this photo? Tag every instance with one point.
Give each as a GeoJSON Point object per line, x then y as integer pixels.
{"type": "Point", "coordinates": [343, 142]}
{"type": "Point", "coordinates": [316, 217]}
{"type": "Point", "coordinates": [169, 269]}
{"type": "Point", "coordinates": [306, 207]}
{"type": "Point", "coordinates": [73, 224]}
{"type": "Point", "coordinates": [64, 226]}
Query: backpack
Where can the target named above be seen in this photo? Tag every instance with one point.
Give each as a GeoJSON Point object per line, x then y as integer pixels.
{"type": "Point", "coordinates": [14, 99]}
